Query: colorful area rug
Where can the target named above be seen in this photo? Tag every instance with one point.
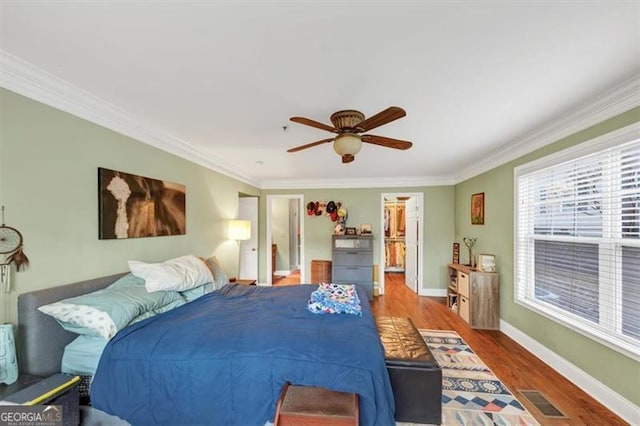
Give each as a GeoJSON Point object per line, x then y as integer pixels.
{"type": "Point", "coordinates": [471, 393]}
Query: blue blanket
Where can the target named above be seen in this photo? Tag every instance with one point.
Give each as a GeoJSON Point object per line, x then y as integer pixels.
{"type": "Point", "coordinates": [224, 358]}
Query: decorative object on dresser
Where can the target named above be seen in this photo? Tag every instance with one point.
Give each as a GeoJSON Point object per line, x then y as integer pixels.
{"type": "Point", "coordinates": [352, 261]}
{"type": "Point", "coordinates": [474, 295]}
{"type": "Point", "coordinates": [477, 209]}
{"type": "Point", "coordinates": [486, 263]}
{"type": "Point", "coordinates": [456, 253]}
{"type": "Point", "coordinates": [470, 242]}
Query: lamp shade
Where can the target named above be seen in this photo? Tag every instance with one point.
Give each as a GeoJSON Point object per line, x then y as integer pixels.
{"type": "Point", "coordinates": [239, 230]}
{"type": "Point", "coordinates": [347, 144]}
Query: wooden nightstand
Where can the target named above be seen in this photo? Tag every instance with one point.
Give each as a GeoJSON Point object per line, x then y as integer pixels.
{"type": "Point", "coordinates": [242, 282]}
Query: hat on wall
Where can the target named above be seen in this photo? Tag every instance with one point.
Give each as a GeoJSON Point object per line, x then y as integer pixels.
{"type": "Point", "coordinates": [331, 207]}
{"type": "Point", "coordinates": [342, 212]}
{"type": "Point", "coordinates": [311, 208]}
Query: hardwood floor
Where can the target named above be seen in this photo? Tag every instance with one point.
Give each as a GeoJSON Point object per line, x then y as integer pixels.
{"type": "Point", "coordinates": [291, 279]}
{"type": "Point", "coordinates": [515, 366]}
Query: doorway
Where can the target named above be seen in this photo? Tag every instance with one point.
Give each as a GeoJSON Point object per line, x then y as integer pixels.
{"type": "Point", "coordinates": [285, 238]}
{"type": "Point", "coordinates": [401, 248]}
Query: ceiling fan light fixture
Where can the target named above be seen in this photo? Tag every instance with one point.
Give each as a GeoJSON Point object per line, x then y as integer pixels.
{"type": "Point", "coordinates": [347, 144]}
{"type": "Point", "coordinates": [347, 158]}
{"type": "Point", "coordinates": [346, 119]}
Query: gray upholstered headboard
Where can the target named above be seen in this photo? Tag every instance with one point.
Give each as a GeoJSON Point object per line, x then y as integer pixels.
{"type": "Point", "coordinates": [40, 339]}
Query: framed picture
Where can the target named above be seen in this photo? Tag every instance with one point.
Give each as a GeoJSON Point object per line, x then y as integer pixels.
{"type": "Point", "coordinates": [477, 209]}
{"type": "Point", "coordinates": [365, 228]}
{"type": "Point", "coordinates": [486, 263]}
{"type": "Point", "coordinates": [132, 206]}
{"type": "Point", "coordinates": [350, 231]}
{"type": "Point", "coordinates": [456, 253]}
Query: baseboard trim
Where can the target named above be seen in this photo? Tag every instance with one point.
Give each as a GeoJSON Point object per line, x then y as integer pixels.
{"type": "Point", "coordinates": [432, 292]}
{"type": "Point", "coordinates": [283, 272]}
{"type": "Point", "coordinates": [598, 390]}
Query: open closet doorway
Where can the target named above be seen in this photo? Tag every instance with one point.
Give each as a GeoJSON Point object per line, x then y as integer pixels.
{"type": "Point", "coordinates": [285, 239]}
{"type": "Point", "coordinates": [401, 245]}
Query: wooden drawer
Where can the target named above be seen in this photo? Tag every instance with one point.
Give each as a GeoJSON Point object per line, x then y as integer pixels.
{"type": "Point", "coordinates": [464, 308]}
{"type": "Point", "coordinates": [463, 284]}
{"type": "Point", "coordinates": [352, 258]}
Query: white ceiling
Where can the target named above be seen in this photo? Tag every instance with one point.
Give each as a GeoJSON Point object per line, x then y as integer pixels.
{"type": "Point", "coordinates": [217, 81]}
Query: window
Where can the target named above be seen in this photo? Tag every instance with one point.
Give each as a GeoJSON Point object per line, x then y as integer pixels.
{"type": "Point", "coordinates": [577, 238]}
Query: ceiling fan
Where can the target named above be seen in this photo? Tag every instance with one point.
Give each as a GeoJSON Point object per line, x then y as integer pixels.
{"type": "Point", "coordinates": [348, 124]}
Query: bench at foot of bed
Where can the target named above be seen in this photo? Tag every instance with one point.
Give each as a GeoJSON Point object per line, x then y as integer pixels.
{"type": "Point", "coordinates": [416, 377]}
{"type": "Point", "coordinates": [312, 406]}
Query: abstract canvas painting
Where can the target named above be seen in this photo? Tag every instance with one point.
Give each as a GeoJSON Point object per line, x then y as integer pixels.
{"type": "Point", "coordinates": [132, 206]}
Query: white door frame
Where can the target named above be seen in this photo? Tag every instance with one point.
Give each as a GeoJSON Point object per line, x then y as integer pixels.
{"type": "Point", "coordinates": [270, 198]}
{"type": "Point", "coordinates": [411, 212]}
{"type": "Point", "coordinates": [420, 205]}
{"type": "Point", "coordinates": [249, 258]}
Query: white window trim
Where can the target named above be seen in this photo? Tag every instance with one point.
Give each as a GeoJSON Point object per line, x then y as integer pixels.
{"type": "Point", "coordinates": [557, 315]}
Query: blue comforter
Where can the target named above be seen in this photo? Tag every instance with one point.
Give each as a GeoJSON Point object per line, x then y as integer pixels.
{"type": "Point", "coordinates": [223, 359]}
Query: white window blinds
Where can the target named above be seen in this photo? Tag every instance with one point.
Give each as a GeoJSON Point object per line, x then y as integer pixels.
{"type": "Point", "coordinates": [578, 238]}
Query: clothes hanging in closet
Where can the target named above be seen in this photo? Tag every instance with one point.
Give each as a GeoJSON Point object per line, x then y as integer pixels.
{"type": "Point", "coordinates": [394, 254]}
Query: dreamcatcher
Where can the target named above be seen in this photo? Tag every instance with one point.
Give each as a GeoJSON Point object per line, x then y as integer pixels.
{"type": "Point", "coordinates": [11, 247]}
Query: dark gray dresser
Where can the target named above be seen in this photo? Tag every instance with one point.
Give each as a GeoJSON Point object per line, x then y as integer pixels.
{"type": "Point", "coordinates": [352, 261]}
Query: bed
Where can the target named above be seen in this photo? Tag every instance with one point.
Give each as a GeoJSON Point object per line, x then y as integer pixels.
{"type": "Point", "coordinates": [221, 359]}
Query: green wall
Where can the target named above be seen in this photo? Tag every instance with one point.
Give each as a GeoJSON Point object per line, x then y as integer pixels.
{"type": "Point", "coordinates": [364, 206]}
{"type": "Point", "coordinates": [617, 371]}
{"type": "Point", "coordinates": [49, 187]}
{"type": "Point", "coordinates": [280, 232]}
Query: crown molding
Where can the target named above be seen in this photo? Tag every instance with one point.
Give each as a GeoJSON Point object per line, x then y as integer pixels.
{"type": "Point", "coordinates": [618, 100]}
{"type": "Point", "coordinates": [25, 79]}
{"type": "Point", "coordinates": [358, 183]}
{"type": "Point", "coordinates": [21, 77]}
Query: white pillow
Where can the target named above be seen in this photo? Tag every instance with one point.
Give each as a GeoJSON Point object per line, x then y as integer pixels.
{"type": "Point", "coordinates": [179, 274]}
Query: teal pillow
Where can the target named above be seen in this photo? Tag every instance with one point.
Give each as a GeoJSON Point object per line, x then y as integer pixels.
{"type": "Point", "coordinates": [105, 312]}
{"type": "Point", "coordinates": [166, 308]}
{"type": "Point", "coordinates": [128, 280]}
{"type": "Point", "coordinates": [194, 293]}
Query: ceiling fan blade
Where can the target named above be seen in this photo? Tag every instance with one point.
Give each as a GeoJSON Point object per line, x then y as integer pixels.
{"type": "Point", "coordinates": [313, 123]}
{"type": "Point", "coordinates": [387, 116]}
{"type": "Point", "coordinates": [309, 145]}
{"type": "Point", "coordinates": [386, 142]}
